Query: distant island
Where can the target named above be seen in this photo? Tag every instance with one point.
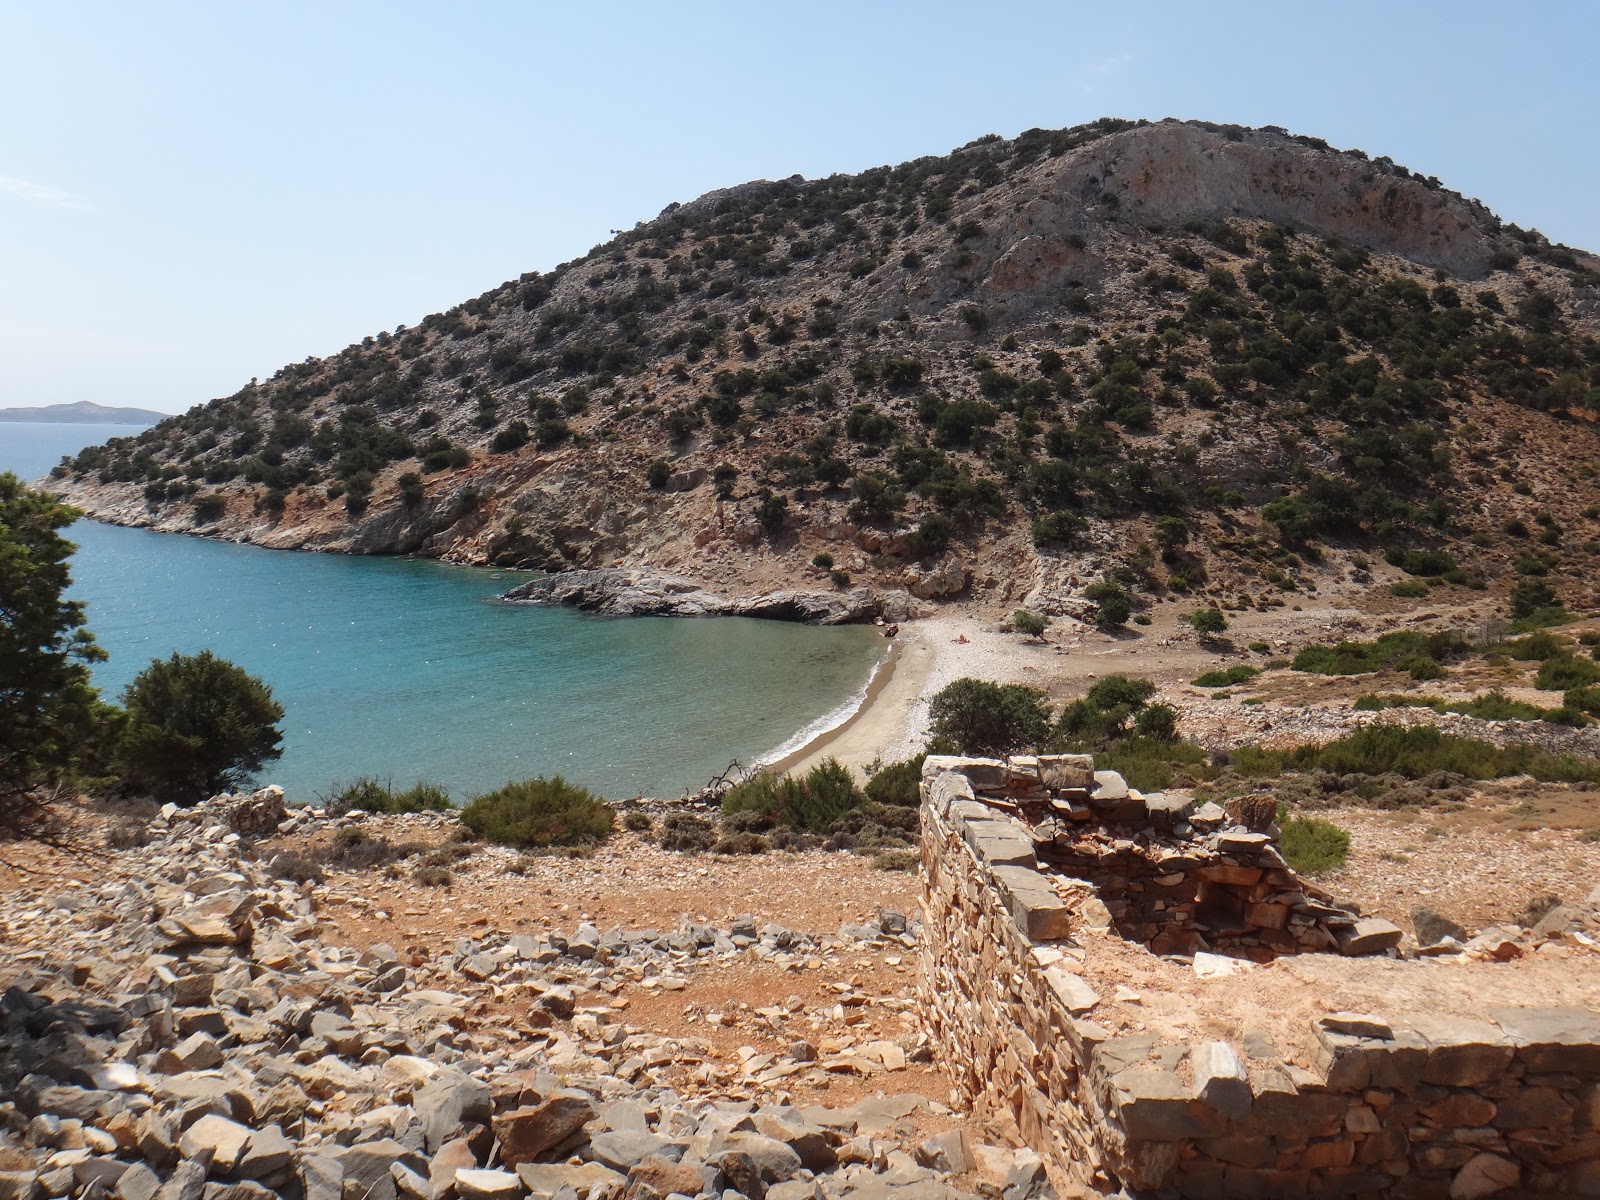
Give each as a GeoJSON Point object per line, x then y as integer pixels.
{"type": "Point", "coordinates": [83, 412]}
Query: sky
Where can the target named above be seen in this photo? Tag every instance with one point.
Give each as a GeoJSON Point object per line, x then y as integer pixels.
{"type": "Point", "coordinates": [195, 194]}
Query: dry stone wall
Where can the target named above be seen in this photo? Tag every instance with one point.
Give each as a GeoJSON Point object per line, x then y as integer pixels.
{"type": "Point", "coordinates": [1411, 1105]}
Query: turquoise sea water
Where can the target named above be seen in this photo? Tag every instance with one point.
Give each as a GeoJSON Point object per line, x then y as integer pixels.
{"type": "Point", "coordinates": [406, 669]}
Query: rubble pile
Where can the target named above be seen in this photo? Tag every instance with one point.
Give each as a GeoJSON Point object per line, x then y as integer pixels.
{"type": "Point", "coordinates": [178, 1030]}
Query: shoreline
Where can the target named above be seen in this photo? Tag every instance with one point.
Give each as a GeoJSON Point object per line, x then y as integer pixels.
{"type": "Point", "coordinates": [883, 676]}
{"type": "Point", "coordinates": [892, 722]}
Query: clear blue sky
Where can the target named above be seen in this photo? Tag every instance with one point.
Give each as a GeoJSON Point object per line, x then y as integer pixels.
{"type": "Point", "coordinates": [192, 194]}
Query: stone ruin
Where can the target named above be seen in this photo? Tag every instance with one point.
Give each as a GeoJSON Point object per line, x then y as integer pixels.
{"type": "Point", "coordinates": [1042, 877]}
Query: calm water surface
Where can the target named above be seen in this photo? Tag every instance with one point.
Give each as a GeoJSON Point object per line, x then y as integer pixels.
{"type": "Point", "coordinates": [405, 669]}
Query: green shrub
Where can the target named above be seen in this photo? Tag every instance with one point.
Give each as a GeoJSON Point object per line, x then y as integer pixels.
{"type": "Point", "coordinates": [896, 786]}
{"type": "Point", "coordinates": [538, 813]}
{"type": "Point", "coordinates": [1113, 605]}
{"type": "Point", "coordinates": [931, 536]}
{"type": "Point", "coordinates": [1420, 667]}
{"type": "Point", "coordinates": [1536, 647]}
{"type": "Point", "coordinates": [1410, 589]}
{"type": "Point", "coordinates": [208, 508]}
{"type": "Point", "coordinates": [1030, 624]}
{"type": "Point", "coordinates": [657, 473]}
{"type": "Point", "coordinates": [378, 796]}
{"type": "Point", "coordinates": [1583, 699]}
{"type": "Point", "coordinates": [1158, 722]}
{"type": "Point", "coordinates": [1230, 677]}
{"type": "Point", "coordinates": [1529, 596]}
{"type": "Point", "coordinates": [1057, 529]}
{"type": "Point", "coordinates": [1363, 658]}
{"type": "Point", "coordinates": [636, 821]}
{"type": "Point", "coordinates": [808, 803]}
{"type": "Point", "coordinates": [822, 560]}
{"type": "Point", "coordinates": [1208, 622]}
{"type": "Point", "coordinates": [196, 725]}
{"type": "Point", "coordinates": [1415, 751]}
{"type": "Point", "coordinates": [1152, 763]}
{"type": "Point", "coordinates": [1311, 846]}
{"type": "Point", "coordinates": [1563, 672]}
{"type": "Point", "coordinates": [989, 718]}
{"type": "Point", "coordinates": [432, 875]}
{"type": "Point", "coordinates": [513, 437]}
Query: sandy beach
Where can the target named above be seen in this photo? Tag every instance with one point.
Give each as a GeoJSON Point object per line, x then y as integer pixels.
{"type": "Point", "coordinates": [892, 722]}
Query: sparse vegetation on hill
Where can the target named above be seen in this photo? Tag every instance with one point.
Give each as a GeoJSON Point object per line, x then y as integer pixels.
{"type": "Point", "coordinates": [954, 353]}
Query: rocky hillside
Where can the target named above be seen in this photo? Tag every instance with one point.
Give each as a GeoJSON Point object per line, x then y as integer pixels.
{"type": "Point", "coordinates": [1192, 359]}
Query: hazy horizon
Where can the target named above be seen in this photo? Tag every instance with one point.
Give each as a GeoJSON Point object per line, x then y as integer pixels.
{"type": "Point", "coordinates": [204, 195]}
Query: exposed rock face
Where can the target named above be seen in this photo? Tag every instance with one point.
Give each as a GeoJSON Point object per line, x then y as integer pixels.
{"type": "Point", "coordinates": [1175, 172]}
{"type": "Point", "coordinates": [621, 593]}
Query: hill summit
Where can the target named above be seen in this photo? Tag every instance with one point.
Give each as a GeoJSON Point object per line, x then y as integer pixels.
{"type": "Point", "coordinates": [1174, 359]}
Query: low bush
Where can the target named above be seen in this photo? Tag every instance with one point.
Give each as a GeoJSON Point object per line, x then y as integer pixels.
{"type": "Point", "coordinates": [897, 860]}
{"type": "Point", "coordinates": [1311, 846]}
{"type": "Point", "coordinates": [1583, 699]}
{"type": "Point", "coordinates": [638, 822]}
{"type": "Point", "coordinates": [431, 875]}
{"type": "Point", "coordinates": [1113, 604]}
{"type": "Point", "coordinates": [1029, 623]}
{"type": "Point", "coordinates": [1420, 667]}
{"type": "Point", "coordinates": [1409, 589]}
{"type": "Point", "coordinates": [539, 813]}
{"type": "Point", "coordinates": [1536, 647]}
{"type": "Point", "coordinates": [1489, 706]}
{"type": "Point", "coordinates": [368, 794]}
{"type": "Point", "coordinates": [686, 832]}
{"type": "Point", "coordinates": [1103, 713]}
{"type": "Point", "coordinates": [1229, 677]}
{"type": "Point", "coordinates": [897, 785]}
{"type": "Point", "coordinates": [1418, 751]}
{"type": "Point", "coordinates": [353, 848]}
{"type": "Point", "coordinates": [1387, 653]}
{"type": "Point", "coordinates": [1151, 764]}
{"type": "Point", "coordinates": [297, 867]}
{"type": "Point", "coordinates": [1563, 672]}
{"type": "Point", "coordinates": [808, 803]}
{"type": "Point", "coordinates": [1208, 622]}
{"type": "Point", "coordinates": [741, 843]}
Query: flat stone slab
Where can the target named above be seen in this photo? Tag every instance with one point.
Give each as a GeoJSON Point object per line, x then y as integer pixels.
{"type": "Point", "coordinates": [1553, 1040]}
{"type": "Point", "coordinates": [1462, 1052]}
{"type": "Point", "coordinates": [1033, 904]}
{"type": "Point", "coordinates": [1155, 1106]}
{"type": "Point", "coordinates": [1109, 785]}
{"type": "Point", "coordinates": [1369, 935]}
{"type": "Point", "coordinates": [1075, 994]}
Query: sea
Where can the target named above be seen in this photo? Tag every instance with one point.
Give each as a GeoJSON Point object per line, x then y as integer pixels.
{"type": "Point", "coordinates": [407, 669]}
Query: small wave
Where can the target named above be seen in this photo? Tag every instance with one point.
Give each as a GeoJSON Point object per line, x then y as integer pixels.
{"type": "Point", "coordinates": [827, 722]}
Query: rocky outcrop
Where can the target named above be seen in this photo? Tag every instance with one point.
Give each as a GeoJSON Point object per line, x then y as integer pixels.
{"type": "Point", "coordinates": [620, 593]}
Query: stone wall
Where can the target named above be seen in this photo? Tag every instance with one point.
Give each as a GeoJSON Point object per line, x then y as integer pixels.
{"type": "Point", "coordinates": [1504, 1102]}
